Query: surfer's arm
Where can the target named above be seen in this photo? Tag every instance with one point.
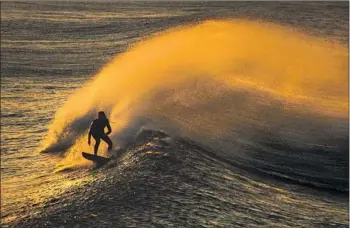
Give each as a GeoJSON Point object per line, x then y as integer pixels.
{"type": "Point", "coordinates": [89, 138]}
{"type": "Point", "coordinates": [109, 128]}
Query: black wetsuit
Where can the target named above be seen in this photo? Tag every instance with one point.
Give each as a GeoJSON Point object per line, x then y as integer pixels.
{"type": "Point", "coordinates": [98, 127]}
{"type": "Point", "coordinates": [97, 131]}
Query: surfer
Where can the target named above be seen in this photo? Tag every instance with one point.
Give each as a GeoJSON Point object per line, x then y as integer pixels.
{"type": "Point", "coordinates": [97, 131]}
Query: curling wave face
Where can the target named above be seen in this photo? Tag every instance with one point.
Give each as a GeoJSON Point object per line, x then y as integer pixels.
{"type": "Point", "coordinates": [263, 96]}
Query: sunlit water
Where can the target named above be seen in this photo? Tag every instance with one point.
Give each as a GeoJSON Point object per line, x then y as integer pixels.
{"type": "Point", "coordinates": [50, 50]}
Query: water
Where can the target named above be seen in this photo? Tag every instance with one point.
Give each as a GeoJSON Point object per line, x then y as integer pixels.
{"type": "Point", "coordinates": [266, 95]}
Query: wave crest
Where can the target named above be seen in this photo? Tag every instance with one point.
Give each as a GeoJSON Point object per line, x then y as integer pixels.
{"type": "Point", "coordinates": [255, 92]}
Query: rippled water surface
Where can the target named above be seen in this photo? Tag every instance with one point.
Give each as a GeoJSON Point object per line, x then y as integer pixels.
{"type": "Point", "coordinates": [245, 152]}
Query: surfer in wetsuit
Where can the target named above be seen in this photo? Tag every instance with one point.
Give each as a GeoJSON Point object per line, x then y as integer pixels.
{"type": "Point", "coordinates": [97, 130]}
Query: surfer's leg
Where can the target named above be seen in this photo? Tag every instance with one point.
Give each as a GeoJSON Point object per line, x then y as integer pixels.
{"type": "Point", "coordinates": [108, 141]}
{"type": "Point", "coordinates": [97, 144]}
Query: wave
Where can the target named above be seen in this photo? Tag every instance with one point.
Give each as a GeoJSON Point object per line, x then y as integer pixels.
{"type": "Point", "coordinates": [261, 95]}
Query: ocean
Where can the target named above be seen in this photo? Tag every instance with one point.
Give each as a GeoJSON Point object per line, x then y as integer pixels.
{"type": "Point", "coordinates": [224, 114]}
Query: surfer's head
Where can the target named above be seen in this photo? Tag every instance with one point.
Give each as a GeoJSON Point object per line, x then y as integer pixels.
{"type": "Point", "coordinates": [102, 115]}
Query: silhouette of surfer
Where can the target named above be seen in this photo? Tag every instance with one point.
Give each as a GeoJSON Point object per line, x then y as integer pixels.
{"type": "Point", "coordinates": [97, 131]}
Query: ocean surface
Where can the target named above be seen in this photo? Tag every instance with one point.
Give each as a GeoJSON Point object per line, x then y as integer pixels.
{"type": "Point", "coordinates": [224, 114]}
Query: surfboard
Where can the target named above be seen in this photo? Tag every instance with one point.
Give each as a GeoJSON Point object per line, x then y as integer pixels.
{"type": "Point", "coordinates": [95, 158]}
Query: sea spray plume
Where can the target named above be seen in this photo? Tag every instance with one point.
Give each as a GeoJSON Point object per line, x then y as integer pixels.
{"type": "Point", "coordinates": [205, 79]}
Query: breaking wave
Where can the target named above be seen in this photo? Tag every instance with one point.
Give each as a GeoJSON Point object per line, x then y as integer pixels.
{"type": "Point", "coordinates": [262, 96]}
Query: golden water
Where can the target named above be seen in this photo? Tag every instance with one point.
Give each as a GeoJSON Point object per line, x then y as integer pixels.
{"type": "Point", "coordinates": [171, 73]}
